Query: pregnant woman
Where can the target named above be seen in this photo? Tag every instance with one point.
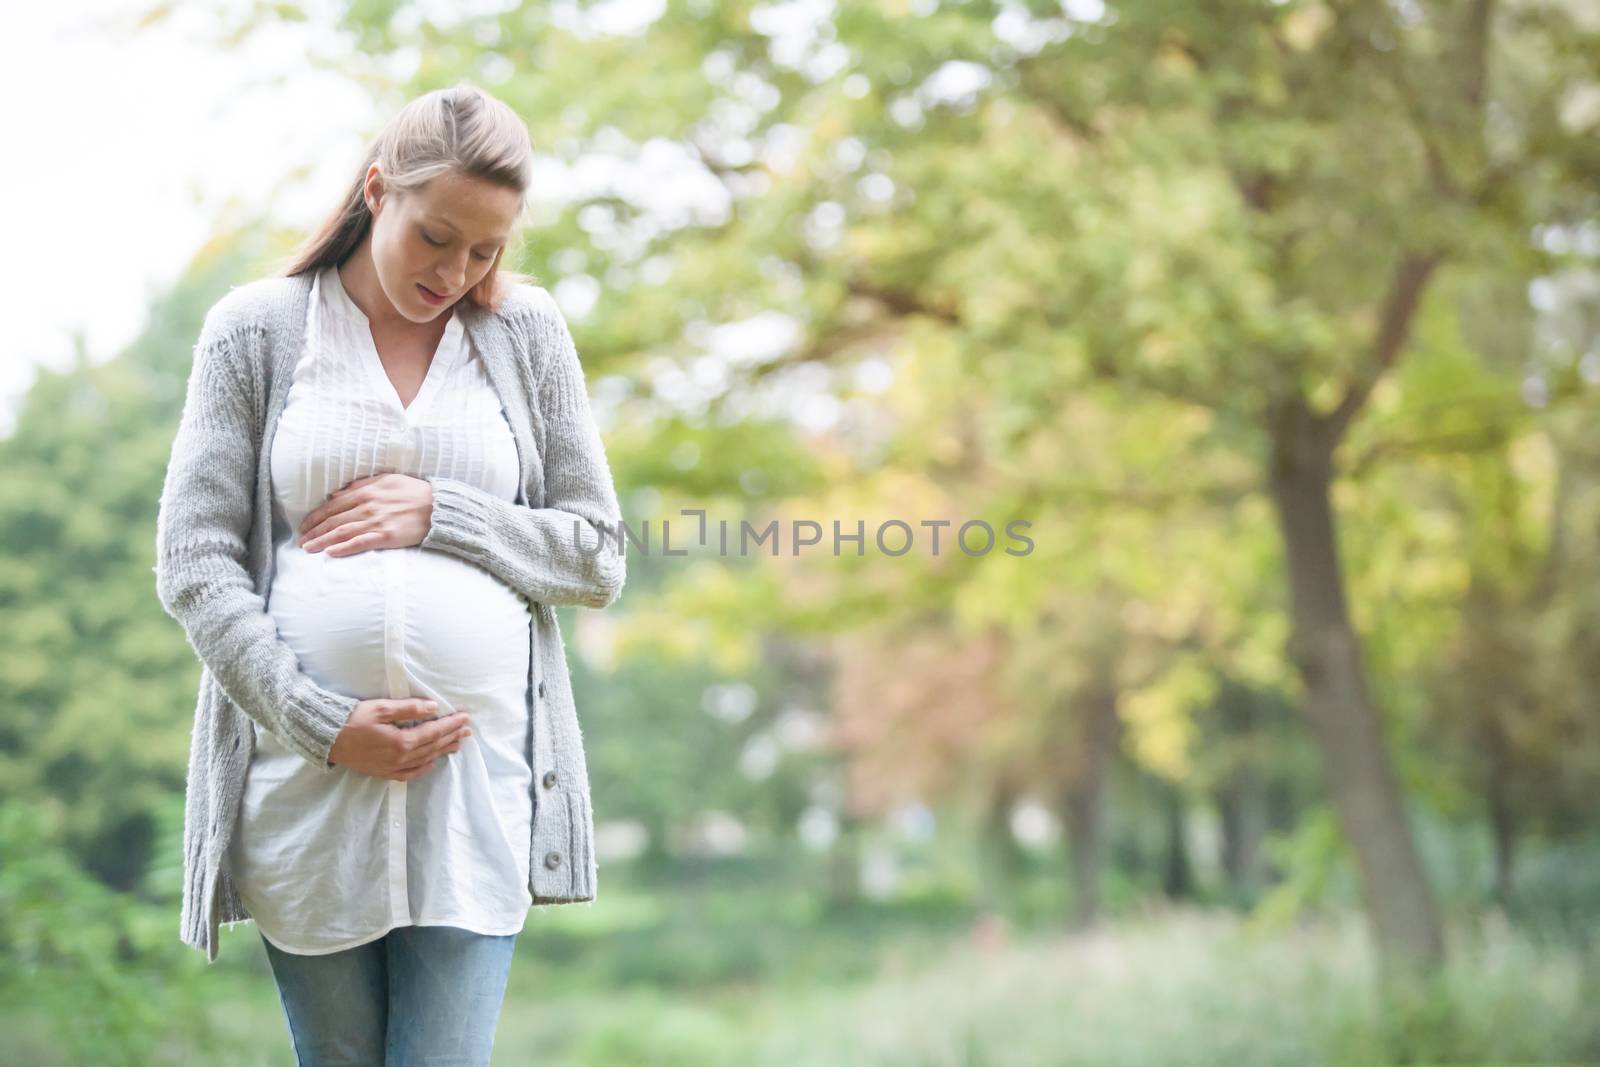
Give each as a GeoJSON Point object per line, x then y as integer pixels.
{"type": "Point", "coordinates": [387, 771]}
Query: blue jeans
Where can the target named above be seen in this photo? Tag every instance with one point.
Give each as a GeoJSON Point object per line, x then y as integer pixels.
{"type": "Point", "coordinates": [417, 995]}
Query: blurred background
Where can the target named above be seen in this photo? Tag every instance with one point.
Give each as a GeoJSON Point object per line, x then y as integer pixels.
{"type": "Point", "coordinates": [1276, 321]}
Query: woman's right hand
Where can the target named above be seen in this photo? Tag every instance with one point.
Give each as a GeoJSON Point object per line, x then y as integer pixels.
{"type": "Point", "coordinates": [372, 744]}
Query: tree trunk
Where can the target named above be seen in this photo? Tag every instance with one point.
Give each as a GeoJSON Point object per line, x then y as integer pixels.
{"type": "Point", "coordinates": [843, 872]}
{"type": "Point", "coordinates": [1003, 854]}
{"type": "Point", "coordinates": [1242, 802]}
{"type": "Point", "coordinates": [1085, 825]}
{"type": "Point", "coordinates": [1502, 815]}
{"type": "Point", "coordinates": [1400, 907]}
{"type": "Point", "coordinates": [1177, 874]}
{"type": "Point", "coordinates": [1084, 801]}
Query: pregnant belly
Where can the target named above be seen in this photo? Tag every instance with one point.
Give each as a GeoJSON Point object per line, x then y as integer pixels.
{"type": "Point", "coordinates": [401, 622]}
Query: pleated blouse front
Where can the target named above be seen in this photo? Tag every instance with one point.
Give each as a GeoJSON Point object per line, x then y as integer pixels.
{"type": "Point", "coordinates": [326, 860]}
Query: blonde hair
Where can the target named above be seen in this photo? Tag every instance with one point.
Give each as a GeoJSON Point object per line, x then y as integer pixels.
{"type": "Point", "coordinates": [461, 129]}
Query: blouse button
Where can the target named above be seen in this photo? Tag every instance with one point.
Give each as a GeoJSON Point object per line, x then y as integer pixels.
{"type": "Point", "coordinates": [552, 860]}
{"type": "Point", "coordinates": [541, 688]}
{"type": "Point", "coordinates": [549, 779]}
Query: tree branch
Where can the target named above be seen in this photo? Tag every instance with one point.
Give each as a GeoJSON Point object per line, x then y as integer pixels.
{"type": "Point", "coordinates": [898, 303]}
{"type": "Point", "coordinates": [1393, 331]}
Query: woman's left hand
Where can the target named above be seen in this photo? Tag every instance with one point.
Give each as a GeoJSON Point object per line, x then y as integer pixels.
{"type": "Point", "coordinates": [389, 510]}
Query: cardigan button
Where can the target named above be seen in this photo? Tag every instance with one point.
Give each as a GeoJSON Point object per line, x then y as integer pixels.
{"type": "Point", "coordinates": [552, 860]}
{"type": "Point", "coordinates": [549, 779]}
{"type": "Point", "coordinates": [541, 688]}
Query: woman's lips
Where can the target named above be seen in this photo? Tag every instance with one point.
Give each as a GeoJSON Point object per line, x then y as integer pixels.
{"type": "Point", "coordinates": [430, 296]}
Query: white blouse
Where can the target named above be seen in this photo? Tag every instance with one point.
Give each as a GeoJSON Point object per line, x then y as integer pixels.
{"type": "Point", "coordinates": [326, 860]}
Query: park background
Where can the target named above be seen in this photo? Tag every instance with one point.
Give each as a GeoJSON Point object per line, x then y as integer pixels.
{"type": "Point", "coordinates": [1278, 322]}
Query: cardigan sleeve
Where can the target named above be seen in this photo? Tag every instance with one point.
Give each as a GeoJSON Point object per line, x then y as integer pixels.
{"type": "Point", "coordinates": [569, 551]}
{"type": "Point", "coordinates": [202, 580]}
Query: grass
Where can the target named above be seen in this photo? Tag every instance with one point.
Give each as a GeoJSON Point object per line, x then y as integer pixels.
{"type": "Point", "coordinates": [1165, 988]}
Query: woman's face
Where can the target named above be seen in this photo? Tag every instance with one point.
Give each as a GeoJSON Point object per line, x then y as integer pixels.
{"type": "Point", "coordinates": [442, 239]}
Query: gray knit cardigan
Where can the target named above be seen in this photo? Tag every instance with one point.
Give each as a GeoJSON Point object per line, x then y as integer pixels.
{"type": "Point", "coordinates": [214, 560]}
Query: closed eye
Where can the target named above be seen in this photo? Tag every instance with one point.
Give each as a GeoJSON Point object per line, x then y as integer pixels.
{"type": "Point", "coordinates": [441, 244]}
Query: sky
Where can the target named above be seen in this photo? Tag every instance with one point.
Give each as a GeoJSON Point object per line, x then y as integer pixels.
{"type": "Point", "coordinates": [130, 147]}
